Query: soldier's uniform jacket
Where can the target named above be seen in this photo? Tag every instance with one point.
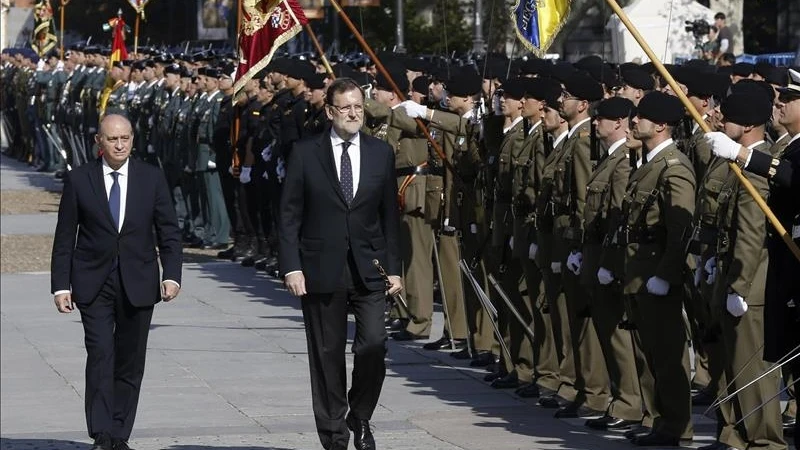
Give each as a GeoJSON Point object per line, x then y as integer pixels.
{"type": "Point", "coordinates": [780, 144]}
{"type": "Point", "coordinates": [400, 131]}
{"type": "Point", "coordinates": [698, 151]}
{"type": "Point", "coordinates": [602, 214]}
{"type": "Point", "coordinates": [657, 212]}
{"type": "Point", "coordinates": [185, 147]}
{"type": "Point", "coordinates": [117, 102]}
{"type": "Point", "coordinates": [704, 233]}
{"type": "Point", "coordinates": [528, 169]}
{"type": "Point", "coordinates": [53, 93]}
{"type": "Point", "coordinates": [250, 125]}
{"type": "Point", "coordinates": [571, 176]}
{"type": "Point", "coordinates": [291, 124]}
{"type": "Point", "coordinates": [544, 204]}
{"type": "Point", "coordinates": [206, 114]}
{"type": "Point", "coordinates": [460, 136]}
{"type": "Point", "coordinates": [316, 121]}
{"type": "Point", "coordinates": [740, 249]}
{"type": "Point", "coordinates": [76, 112]}
{"type": "Point", "coordinates": [510, 156]}
{"type": "Point", "coordinates": [166, 128]}
{"type": "Point", "coordinates": [222, 133]}
{"type": "Point", "coordinates": [90, 97]}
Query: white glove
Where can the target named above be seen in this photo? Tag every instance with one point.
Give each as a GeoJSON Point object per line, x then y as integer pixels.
{"type": "Point", "coordinates": [511, 243]}
{"type": "Point", "coordinates": [532, 250]}
{"type": "Point", "coordinates": [657, 286]}
{"type": "Point", "coordinates": [150, 149]}
{"type": "Point", "coordinates": [574, 261]}
{"type": "Point", "coordinates": [604, 276]}
{"type": "Point", "coordinates": [212, 165]}
{"type": "Point", "coordinates": [736, 305]}
{"type": "Point", "coordinates": [280, 170]}
{"type": "Point", "coordinates": [414, 109]}
{"type": "Point", "coordinates": [473, 228]}
{"type": "Point", "coordinates": [722, 145]}
{"type": "Point", "coordinates": [555, 267]}
{"type": "Point", "coordinates": [244, 175]}
{"type": "Point", "coordinates": [266, 154]}
{"type": "Point", "coordinates": [40, 65]}
{"type": "Point", "coordinates": [711, 270]}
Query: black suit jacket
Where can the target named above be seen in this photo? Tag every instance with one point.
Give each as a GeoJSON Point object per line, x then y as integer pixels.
{"type": "Point", "coordinates": [87, 241]}
{"type": "Point", "coordinates": [316, 227]}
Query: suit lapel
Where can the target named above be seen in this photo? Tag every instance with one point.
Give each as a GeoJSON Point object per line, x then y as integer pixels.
{"type": "Point", "coordinates": [325, 155]}
{"type": "Point", "coordinates": [130, 193]}
{"type": "Point", "coordinates": [99, 187]}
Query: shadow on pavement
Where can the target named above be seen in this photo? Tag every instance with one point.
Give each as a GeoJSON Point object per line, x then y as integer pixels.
{"type": "Point", "coordinates": [41, 444]}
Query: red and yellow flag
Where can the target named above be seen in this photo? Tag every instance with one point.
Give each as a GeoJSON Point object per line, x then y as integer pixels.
{"type": "Point", "coordinates": [266, 25]}
{"type": "Point", "coordinates": [118, 50]}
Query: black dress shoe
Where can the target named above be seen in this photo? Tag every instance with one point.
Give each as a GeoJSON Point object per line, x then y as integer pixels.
{"type": "Point", "coordinates": [227, 254]}
{"type": "Point", "coordinates": [483, 359]}
{"type": "Point", "coordinates": [261, 264]}
{"type": "Point", "coordinates": [509, 381]}
{"type": "Point", "coordinates": [656, 439]}
{"type": "Point", "coordinates": [405, 335]}
{"type": "Point", "coordinates": [716, 445]}
{"type": "Point", "coordinates": [196, 242]}
{"type": "Point", "coordinates": [528, 391]}
{"type": "Point", "coordinates": [120, 445]}
{"type": "Point", "coordinates": [638, 431]}
{"type": "Point", "coordinates": [552, 401]}
{"type": "Point", "coordinates": [211, 246]}
{"type": "Point", "coordinates": [495, 375]}
{"type": "Point", "coordinates": [464, 353]}
{"type": "Point", "coordinates": [362, 435]}
{"type": "Point", "coordinates": [788, 422]}
{"type": "Point", "coordinates": [703, 398]}
{"type": "Point", "coordinates": [102, 441]}
{"type": "Point", "coordinates": [440, 344]}
{"type": "Point", "coordinates": [574, 411]}
{"type": "Point", "coordinates": [611, 423]}
{"type": "Point", "coordinates": [397, 325]}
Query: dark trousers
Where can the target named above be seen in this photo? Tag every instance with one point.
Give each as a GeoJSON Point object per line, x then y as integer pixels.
{"type": "Point", "coordinates": [325, 318]}
{"type": "Point", "coordinates": [115, 335]}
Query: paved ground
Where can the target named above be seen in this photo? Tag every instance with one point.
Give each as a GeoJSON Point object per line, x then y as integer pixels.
{"type": "Point", "coordinates": [227, 369]}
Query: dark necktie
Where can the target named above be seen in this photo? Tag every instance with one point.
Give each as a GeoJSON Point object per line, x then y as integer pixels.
{"type": "Point", "coordinates": [114, 198]}
{"type": "Point", "coordinates": [346, 175]}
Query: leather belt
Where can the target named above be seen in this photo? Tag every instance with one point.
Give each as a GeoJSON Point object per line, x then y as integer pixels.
{"type": "Point", "coordinates": [419, 170]}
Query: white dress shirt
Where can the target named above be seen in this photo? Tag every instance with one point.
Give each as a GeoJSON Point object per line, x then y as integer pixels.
{"type": "Point", "coordinates": [615, 146]}
{"type": "Point", "coordinates": [577, 125]}
{"type": "Point", "coordinates": [108, 180]}
{"type": "Point", "coordinates": [559, 138]}
{"type": "Point", "coordinates": [355, 157]}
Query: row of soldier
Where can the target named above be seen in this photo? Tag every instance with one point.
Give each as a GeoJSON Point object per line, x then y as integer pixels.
{"type": "Point", "coordinates": [558, 224]}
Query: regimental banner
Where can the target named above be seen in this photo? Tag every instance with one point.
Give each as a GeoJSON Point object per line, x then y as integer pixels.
{"type": "Point", "coordinates": [266, 25]}
{"type": "Point", "coordinates": [44, 38]}
{"type": "Point", "coordinates": [537, 22]}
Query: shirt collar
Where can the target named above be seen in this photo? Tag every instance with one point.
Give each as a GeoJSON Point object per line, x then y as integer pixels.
{"type": "Point", "coordinates": [514, 123]}
{"type": "Point", "coordinates": [122, 170]}
{"type": "Point", "coordinates": [652, 153]}
{"type": "Point", "coordinates": [560, 138]}
{"type": "Point", "coordinates": [534, 127]}
{"type": "Point", "coordinates": [578, 125]}
{"type": "Point", "coordinates": [697, 125]}
{"type": "Point", "coordinates": [211, 95]}
{"type": "Point", "coordinates": [615, 146]}
{"type": "Point", "coordinates": [754, 144]}
{"type": "Point", "coordinates": [795, 137]}
{"type": "Point", "coordinates": [337, 141]}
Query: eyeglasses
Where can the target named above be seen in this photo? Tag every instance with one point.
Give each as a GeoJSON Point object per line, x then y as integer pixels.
{"type": "Point", "coordinates": [358, 109]}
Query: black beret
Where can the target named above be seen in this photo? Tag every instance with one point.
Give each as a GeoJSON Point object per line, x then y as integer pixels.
{"type": "Point", "coordinates": [117, 64]}
{"type": "Point", "coordinates": [343, 70]}
{"type": "Point", "coordinates": [365, 79]}
{"type": "Point", "coordinates": [697, 83]}
{"type": "Point", "coordinates": [421, 85]}
{"type": "Point", "coordinates": [615, 108]}
{"type": "Point", "coordinates": [495, 69]}
{"type": "Point", "coordinates": [590, 64]}
{"type": "Point", "coordinates": [637, 78]}
{"type": "Point", "coordinates": [743, 69]}
{"type": "Point", "coordinates": [202, 71]}
{"type": "Point", "coordinates": [173, 69]}
{"type": "Point", "coordinates": [212, 72]}
{"type": "Point", "coordinates": [762, 68]}
{"type": "Point", "coordinates": [465, 84]}
{"type": "Point", "coordinates": [584, 87]}
{"type": "Point", "coordinates": [440, 74]}
{"type": "Point", "coordinates": [299, 70]}
{"type": "Point", "coordinates": [610, 79]}
{"type": "Point", "coordinates": [754, 87]}
{"type": "Point", "coordinates": [659, 107]}
{"type": "Point", "coordinates": [51, 54]}
{"type": "Point", "coordinates": [138, 65]}
{"type": "Point", "coordinates": [561, 71]}
{"type": "Point", "coordinates": [186, 73]}
{"type": "Point", "coordinates": [700, 65]}
{"type": "Point", "coordinates": [399, 77]}
{"type": "Point", "coordinates": [747, 108]}
{"type": "Point", "coordinates": [776, 75]}
{"type": "Point", "coordinates": [514, 88]}
{"type": "Point", "coordinates": [535, 66]}
{"type": "Point", "coordinates": [77, 47]}
{"type": "Point", "coordinates": [317, 81]}
{"type": "Point", "coordinates": [721, 83]}
{"type": "Point", "coordinates": [415, 64]}
{"type": "Point", "coordinates": [543, 89]}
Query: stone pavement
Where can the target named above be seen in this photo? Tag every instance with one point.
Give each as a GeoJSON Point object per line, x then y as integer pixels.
{"type": "Point", "coordinates": [227, 369]}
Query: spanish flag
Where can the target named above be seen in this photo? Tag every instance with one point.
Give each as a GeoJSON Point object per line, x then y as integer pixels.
{"type": "Point", "coordinates": [537, 22]}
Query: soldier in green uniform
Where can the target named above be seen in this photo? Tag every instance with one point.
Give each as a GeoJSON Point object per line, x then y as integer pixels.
{"type": "Point", "coordinates": [117, 102]}
{"type": "Point", "coordinates": [167, 129]}
{"type": "Point", "coordinates": [602, 267]}
{"type": "Point", "coordinates": [657, 211]}
{"type": "Point", "coordinates": [740, 286]}
{"type": "Point", "coordinates": [463, 214]}
{"type": "Point", "coordinates": [573, 170]}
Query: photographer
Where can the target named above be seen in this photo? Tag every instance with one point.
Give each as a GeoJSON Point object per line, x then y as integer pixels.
{"type": "Point", "coordinates": [725, 36]}
{"type": "Point", "coordinates": [711, 46]}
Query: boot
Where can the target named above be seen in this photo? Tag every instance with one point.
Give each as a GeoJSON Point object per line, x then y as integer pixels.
{"type": "Point", "coordinates": [256, 253]}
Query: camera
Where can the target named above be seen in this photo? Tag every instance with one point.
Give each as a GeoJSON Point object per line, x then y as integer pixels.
{"type": "Point", "coordinates": [698, 28]}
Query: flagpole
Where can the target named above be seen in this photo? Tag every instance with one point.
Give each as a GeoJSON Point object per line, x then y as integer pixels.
{"type": "Point", "coordinates": [63, 8]}
{"type": "Point", "coordinates": [136, 34]}
{"type": "Point", "coordinates": [322, 56]}
{"type": "Point", "coordinates": [703, 125]}
{"type": "Point", "coordinates": [436, 147]}
{"type": "Point", "coordinates": [237, 113]}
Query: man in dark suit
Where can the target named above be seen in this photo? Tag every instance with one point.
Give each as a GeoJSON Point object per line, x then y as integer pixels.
{"type": "Point", "coordinates": [104, 263]}
{"type": "Point", "coordinates": [338, 214]}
